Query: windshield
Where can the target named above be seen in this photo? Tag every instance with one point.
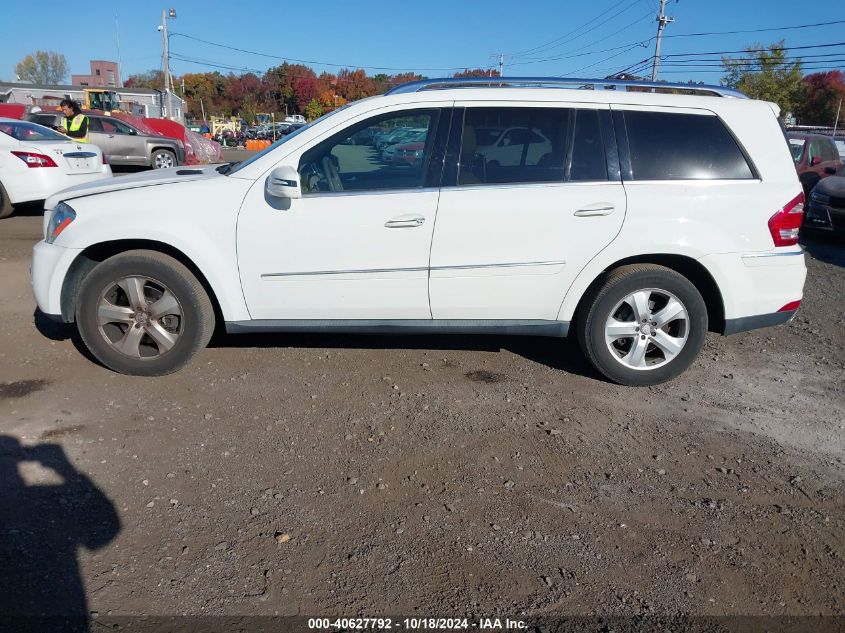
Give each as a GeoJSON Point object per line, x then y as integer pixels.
{"type": "Point", "coordinates": [29, 132]}
{"type": "Point", "coordinates": [281, 141]}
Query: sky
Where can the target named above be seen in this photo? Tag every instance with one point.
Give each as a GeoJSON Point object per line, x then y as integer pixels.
{"type": "Point", "coordinates": [434, 38]}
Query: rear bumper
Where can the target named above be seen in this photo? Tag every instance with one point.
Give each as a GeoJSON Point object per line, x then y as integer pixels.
{"type": "Point", "coordinates": [744, 324]}
{"type": "Point", "coordinates": [756, 286]}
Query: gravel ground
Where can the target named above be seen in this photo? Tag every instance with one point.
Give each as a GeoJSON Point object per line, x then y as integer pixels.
{"type": "Point", "coordinates": [443, 476]}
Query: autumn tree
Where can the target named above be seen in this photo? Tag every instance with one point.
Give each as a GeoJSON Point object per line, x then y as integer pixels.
{"type": "Point", "coordinates": [820, 98]}
{"type": "Point", "coordinates": [152, 79]}
{"type": "Point", "coordinates": [764, 72]}
{"type": "Point", "coordinates": [42, 67]}
{"type": "Point", "coordinates": [477, 72]}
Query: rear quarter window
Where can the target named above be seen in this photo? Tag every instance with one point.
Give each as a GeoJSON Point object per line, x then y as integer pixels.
{"type": "Point", "coordinates": [670, 146]}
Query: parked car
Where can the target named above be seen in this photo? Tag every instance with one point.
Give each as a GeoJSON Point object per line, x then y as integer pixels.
{"type": "Point", "coordinates": [409, 154]}
{"type": "Point", "coordinates": [826, 210]}
{"type": "Point", "coordinates": [816, 157]}
{"type": "Point", "coordinates": [36, 162]}
{"type": "Point", "coordinates": [123, 143]}
{"type": "Point", "coordinates": [410, 136]}
{"type": "Point", "coordinates": [647, 224]}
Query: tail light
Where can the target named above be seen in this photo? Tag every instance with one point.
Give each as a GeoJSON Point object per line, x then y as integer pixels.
{"type": "Point", "coordinates": [792, 305]}
{"type": "Point", "coordinates": [105, 159]}
{"type": "Point", "coordinates": [33, 160]}
{"type": "Point", "coordinates": [784, 224]}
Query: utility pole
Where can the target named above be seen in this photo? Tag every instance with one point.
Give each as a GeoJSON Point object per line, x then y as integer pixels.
{"type": "Point", "coordinates": [662, 21]}
{"type": "Point", "coordinates": [166, 14]}
{"type": "Point", "coordinates": [501, 64]}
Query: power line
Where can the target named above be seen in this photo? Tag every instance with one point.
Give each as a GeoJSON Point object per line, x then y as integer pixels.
{"type": "Point", "coordinates": [316, 63]}
{"type": "Point", "coordinates": [774, 28]}
{"type": "Point", "coordinates": [565, 35]}
{"type": "Point", "coordinates": [647, 41]}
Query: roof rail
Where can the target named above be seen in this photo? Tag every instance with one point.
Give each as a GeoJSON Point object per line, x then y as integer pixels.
{"type": "Point", "coordinates": [564, 82]}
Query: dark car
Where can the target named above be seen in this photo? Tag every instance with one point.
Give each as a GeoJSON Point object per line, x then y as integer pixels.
{"type": "Point", "coordinates": [826, 208]}
{"type": "Point", "coordinates": [815, 156]}
{"type": "Point", "coordinates": [124, 144]}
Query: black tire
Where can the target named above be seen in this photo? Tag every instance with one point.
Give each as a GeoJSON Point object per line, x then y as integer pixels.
{"type": "Point", "coordinates": [195, 323]}
{"type": "Point", "coordinates": [6, 208]}
{"type": "Point", "coordinates": [601, 304]}
{"type": "Point", "coordinates": [163, 158]}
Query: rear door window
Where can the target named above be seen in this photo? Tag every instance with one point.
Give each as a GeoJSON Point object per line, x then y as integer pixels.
{"type": "Point", "coordinates": [525, 145]}
{"type": "Point", "coordinates": [670, 146]}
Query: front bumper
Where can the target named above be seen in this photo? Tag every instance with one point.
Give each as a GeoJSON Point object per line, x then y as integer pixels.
{"type": "Point", "coordinates": [50, 264]}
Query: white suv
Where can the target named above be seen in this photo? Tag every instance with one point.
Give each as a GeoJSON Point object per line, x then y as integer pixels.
{"type": "Point", "coordinates": [650, 219]}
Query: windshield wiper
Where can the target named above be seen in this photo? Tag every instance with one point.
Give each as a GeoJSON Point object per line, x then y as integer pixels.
{"type": "Point", "coordinates": [225, 169]}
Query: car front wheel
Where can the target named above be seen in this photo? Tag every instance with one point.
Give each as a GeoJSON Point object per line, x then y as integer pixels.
{"type": "Point", "coordinates": [163, 159]}
{"type": "Point", "coordinates": [644, 325]}
{"type": "Point", "coordinates": [143, 313]}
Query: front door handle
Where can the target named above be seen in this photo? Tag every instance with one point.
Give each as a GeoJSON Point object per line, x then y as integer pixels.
{"type": "Point", "coordinates": [597, 208]}
{"type": "Point", "coordinates": [405, 222]}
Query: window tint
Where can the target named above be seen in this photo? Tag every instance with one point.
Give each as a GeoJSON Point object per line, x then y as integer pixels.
{"type": "Point", "coordinates": [94, 124]}
{"type": "Point", "coordinates": [588, 159]}
{"type": "Point", "coordinates": [829, 151]}
{"type": "Point", "coordinates": [110, 126]}
{"type": "Point", "coordinates": [387, 152]}
{"type": "Point", "coordinates": [667, 146]}
{"type": "Point", "coordinates": [520, 145]}
{"type": "Point", "coordinates": [43, 119]}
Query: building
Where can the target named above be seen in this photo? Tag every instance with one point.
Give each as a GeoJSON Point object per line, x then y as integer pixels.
{"type": "Point", "coordinates": [103, 75]}
{"type": "Point", "coordinates": [139, 101]}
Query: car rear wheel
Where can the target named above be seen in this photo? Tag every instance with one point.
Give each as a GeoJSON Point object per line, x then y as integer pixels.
{"type": "Point", "coordinates": [644, 325]}
{"type": "Point", "coordinates": [6, 208]}
{"type": "Point", "coordinates": [143, 313]}
{"type": "Point", "coordinates": [163, 159]}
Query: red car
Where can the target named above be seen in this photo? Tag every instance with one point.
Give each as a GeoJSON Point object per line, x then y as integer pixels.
{"type": "Point", "coordinates": [409, 154]}
{"type": "Point", "coordinates": [815, 156]}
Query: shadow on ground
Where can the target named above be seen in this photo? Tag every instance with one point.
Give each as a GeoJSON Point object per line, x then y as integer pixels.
{"type": "Point", "coordinates": [44, 517]}
{"type": "Point", "coordinates": [825, 247]}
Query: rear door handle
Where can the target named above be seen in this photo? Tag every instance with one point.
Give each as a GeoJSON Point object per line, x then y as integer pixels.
{"type": "Point", "coordinates": [597, 208]}
{"type": "Point", "coordinates": [405, 222]}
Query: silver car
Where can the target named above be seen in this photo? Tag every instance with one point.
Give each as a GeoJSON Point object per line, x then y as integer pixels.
{"type": "Point", "coordinates": [122, 143]}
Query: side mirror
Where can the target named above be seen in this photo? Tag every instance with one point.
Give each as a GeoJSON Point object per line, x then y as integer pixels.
{"type": "Point", "coordinates": [283, 182]}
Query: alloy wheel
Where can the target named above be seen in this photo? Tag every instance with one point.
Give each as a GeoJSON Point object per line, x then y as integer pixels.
{"type": "Point", "coordinates": [139, 317]}
{"type": "Point", "coordinates": [647, 329]}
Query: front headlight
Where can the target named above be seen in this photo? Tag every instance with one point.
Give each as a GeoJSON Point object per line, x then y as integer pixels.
{"type": "Point", "coordinates": [62, 216]}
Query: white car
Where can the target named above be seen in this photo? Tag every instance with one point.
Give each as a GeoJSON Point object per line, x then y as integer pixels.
{"type": "Point", "coordinates": [652, 219]}
{"type": "Point", "coordinates": [36, 162]}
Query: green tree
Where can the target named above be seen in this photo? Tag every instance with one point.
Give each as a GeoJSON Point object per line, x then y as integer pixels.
{"type": "Point", "coordinates": [313, 110]}
{"type": "Point", "coordinates": [764, 72]}
{"type": "Point", "coordinates": [42, 67]}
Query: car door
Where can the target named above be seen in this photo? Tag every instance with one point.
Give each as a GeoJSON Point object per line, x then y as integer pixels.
{"type": "Point", "coordinates": [356, 245]}
{"type": "Point", "coordinates": [513, 231]}
{"type": "Point", "coordinates": [128, 145]}
{"type": "Point", "coordinates": [98, 136]}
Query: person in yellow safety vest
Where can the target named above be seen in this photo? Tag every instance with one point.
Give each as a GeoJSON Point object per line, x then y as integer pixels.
{"type": "Point", "coordinates": [76, 123]}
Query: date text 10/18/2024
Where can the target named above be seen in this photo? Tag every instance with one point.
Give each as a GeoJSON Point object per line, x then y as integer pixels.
{"type": "Point", "coordinates": [431, 624]}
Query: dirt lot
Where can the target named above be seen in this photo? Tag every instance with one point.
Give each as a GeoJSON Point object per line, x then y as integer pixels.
{"type": "Point", "coordinates": [340, 475]}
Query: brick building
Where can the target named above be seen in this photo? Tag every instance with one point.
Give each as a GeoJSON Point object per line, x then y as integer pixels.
{"type": "Point", "coordinates": [103, 75]}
